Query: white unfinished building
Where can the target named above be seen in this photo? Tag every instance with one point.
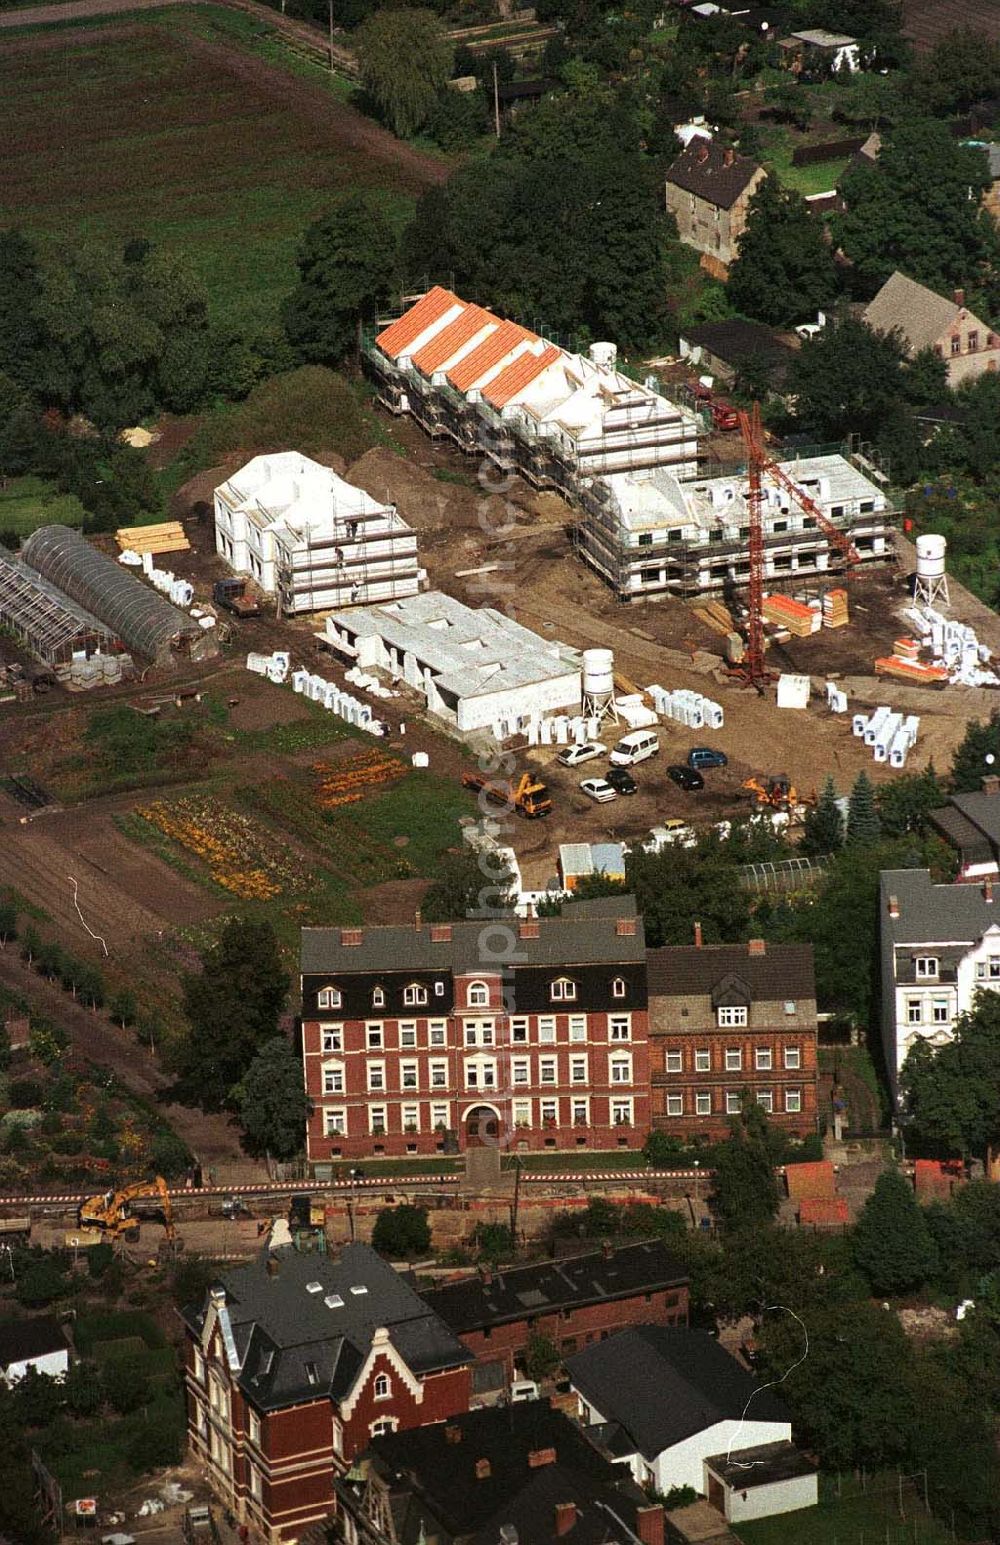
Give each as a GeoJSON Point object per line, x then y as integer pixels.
{"type": "Point", "coordinates": [498, 389]}
{"type": "Point", "coordinates": [310, 539]}
{"type": "Point", "coordinates": [648, 533]}
{"type": "Point", "coordinates": [477, 668]}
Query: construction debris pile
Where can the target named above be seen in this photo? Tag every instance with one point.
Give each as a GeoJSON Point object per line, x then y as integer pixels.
{"type": "Point", "coordinates": [890, 735]}
{"type": "Point", "coordinates": [957, 654]}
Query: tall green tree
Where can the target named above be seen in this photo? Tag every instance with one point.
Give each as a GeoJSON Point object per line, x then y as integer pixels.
{"type": "Point", "coordinates": [952, 1096]}
{"type": "Point", "coordinates": [744, 1192]}
{"type": "Point", "coordinates": [468, 883]}
{"type": "Point", "coordinates": [892, 1244]}
{"type": "Point", "coordinates": [863, 825]}
{"type": "Point", "coordinates": [679, 885]}
{"type": "Point", "coordinates": [271, 1102]}
{"type": "Point", "coordinates": [784, 270]}
{"type": "Point", "coordinates": [913, 211]}
{"type": "Point", "coordinates": [402, 1232]}
{"type": "Point", "coordinates": [346, 264]}
{"type": "Point", "coordinates": [823, 830]}
{"type": "Point", "coordinates": [847, 379]}
{"type": "Point", "coordinates": [960, 70]}
{"type": "Point", "coordinates": [232, 1006]}
{"type": "Point", "coordinates": [978, 756]}
{"type": "Point", "coordinates": [904, 803]}
{"type": "Point", "coordinates": [405, 59]}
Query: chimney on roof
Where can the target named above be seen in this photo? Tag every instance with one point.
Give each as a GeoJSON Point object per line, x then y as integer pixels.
{"type": "Point", "coordinates": [728, 156]}
{"type": "Point", "coordinates": [483, 1469]}
{"type": "Point", "coordinates": [756, 947]}
{"type": "Point", "coordinates": [351, 937]}
{"type": "Point", "coordinates": [606, 1250]}
{"type": "Point", "coordinates": [540, 1457]}
{"type": "Point", "coordinates": [988, 892]}
{"type": "Point", "coordinates": [565, 1518]}
{"type": "Point", "coordinates": [697, 936]}
{"type": "Point", "coordinates": [959, 297]}
{"type": "Point", "coordinates": [452, 1434]}
{"type": "Point", "coordinates": [702, 151]}
{"type": "Point", "coordinates": [440, 933]}
{"type": "Point", "coordinates": [649, 1524]}
{"type": "Point", "coordinates": [625, 927]}
{"type": "Point", "coordinates": [991, 784]}
{"type": "Point", "coordinates": [893, 906]}
{"type": "Point", "coordinates": [528, 928]}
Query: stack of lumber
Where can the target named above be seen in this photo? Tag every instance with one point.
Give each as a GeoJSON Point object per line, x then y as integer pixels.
{"type": "Point", "coordinates": [794, 616]}
{"type": "Point", "coordinates": [715, 616]}
{"type": "Point", "coordinates": [906, 649]}
{"type": "Point", "coordinates": [167, 537]}
{"type": "Point", "coordinates": [835, 609]}
{"type": "Point", "coordinates": [910, 670]}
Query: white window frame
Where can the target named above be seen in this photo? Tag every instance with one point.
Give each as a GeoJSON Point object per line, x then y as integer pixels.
{"type": "Point", "coordinates": [334, 1078]}
{"type": "Point", "coordinates": [578, 1069]}
{"type": "Point", "coordinates": [926, 968]}
{"type": "Point", "coordinates": [619, 987]}
{"type": "Point", "coordinates": [793, 1101]}
{"type": "Point", "coordinates": [734, 1102]}
{"type": "Point", "coordinates": [703, 1102]}
{"type": "Point", "coordinates": [914, 1011]}
{"type": "Point", "coordinates": [410, 1115]}
{"type": "Point", "coordinates": [519, 1030]}
{"type": "Point", "coordinates": [521, 1113]}
{"type": "Point", "coordinates": [383, 1425]}
{"type": "Point", "coordinates": [520, 1070]}
{"type": "Point", "coordinates": [562, 990]}
{"type": "Point", "coordinates": [734, 1059]}
{"type": "Point", "coordinates": [619, 1027]}
{"type": "Point", "coordinates": [332, 1115]}
{"type": "Point", "coordinates": [374, 1035]}
{"type": "Point", "coordinates": [548, 1110]}
{"type": "Point", "coordinates": [440, 1114]}
{"type": "Point", "coordinates": [579, 1111]}
{"type": "Point", "coordinates": [437, 1033]}
{"type": "Point", "coordinates": [438, 1073]}
{"type": "Point", "coordinates": [485, 1070]}
{"type": "Point", "coordinates": [378, 1120]}
{"type": "Point", "coordinates": [703, 1059]}
{"type": "Point", "coordinates": [478, 995]}
{"type": "Point", "coordinates": [253, 1426]}
{"type": "Point", "coordinates": [765, 1098]}
{"type": "Point", "coordinates": [331, 1038]}
{"type": "Point", "coordinates": [675, 1105]}
{"type": "Point", "coordinates": [763, 1059]}
{"type": "Point", "coordinates": [378, 997]}
{"type": "Point", "coordinates": [408, 1036]}
{"type": "Point", "coordinates": [620, 1068]}
{"type": "Point", "coordinates": [382, 1387]}
{"type": "Point", "coordinates": [622, 1111]}
{"type": "Point", "coordinates": [256, 1483]}
{"type": "Point", "coordinates": [673, 1061]}
{"type": "Point", "coordinates": [732, 1016]}
{"type": "Point", "coordinates": [548, 1070]}
{"type": "Point", "coordinates": [940, 1014]}
{"type": "Point", "coordinates": [329, 998]}
{"type": "Point", "coordinates": [409, 1070]}
{"type": "Point", "coordinates": [376, 1077]}
{"type": "Point", "coordinates": [793, 1058]}
{"type": "Point", "coordinates": [546, 1029]}
{"type": "Point", "coordinates": [414, 995]}
{"type": "Point", "coordinates": [578, 1027]}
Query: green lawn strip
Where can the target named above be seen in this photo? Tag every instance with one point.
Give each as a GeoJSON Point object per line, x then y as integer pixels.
{"type": "Point", "coordinates": [29, 502]}
{"type": "Point", "coordinates": [108, 1327]}
{"type": "Point", "coordinates": [423, 807]}
{"type": "Point", "coordinates": [872, 1515]}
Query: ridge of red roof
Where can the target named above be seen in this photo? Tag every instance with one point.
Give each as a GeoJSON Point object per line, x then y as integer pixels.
{"type": "Point", "coordinates": [450, 339]}
{"type": "Point", "coordinates": [519, 374]}
{"type": "Point", "coordinates": [392, 340]}
{"type": "Point", "coordinates": [489, 353]}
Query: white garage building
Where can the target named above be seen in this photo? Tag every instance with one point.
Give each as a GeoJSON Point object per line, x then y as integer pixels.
{"type": "Point", "coordinates": [476, 667]}
{"type": "Point", "coordinates": [310, 539]}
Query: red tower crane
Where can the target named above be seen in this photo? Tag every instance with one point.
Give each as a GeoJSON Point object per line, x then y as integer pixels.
{"type": "Point", "coordinates": [752, 671]}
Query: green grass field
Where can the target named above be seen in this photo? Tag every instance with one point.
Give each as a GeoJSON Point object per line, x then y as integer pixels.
{"type": "Point", "coordinates": [853, 1517]}
{"type": "Point", "coordinates": [29, 502]}
{"type": "Point", "coordinates": [197, 131]}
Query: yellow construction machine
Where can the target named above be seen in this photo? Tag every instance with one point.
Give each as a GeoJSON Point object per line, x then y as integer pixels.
{"type": "Point", "coordinates": [114, 1214]}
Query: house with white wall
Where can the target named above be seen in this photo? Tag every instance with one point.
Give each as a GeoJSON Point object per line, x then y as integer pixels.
{"type": "Point", "coordinates": [37, 1343]}
{"type": "Point", "coordinates": [940, 945]}
{"type": "Point", "coordinates": [476, 667]}
{"type": "Point", "coordinates": [663, 1399]}
{"type": "Point", "coordinates": [312, 540]}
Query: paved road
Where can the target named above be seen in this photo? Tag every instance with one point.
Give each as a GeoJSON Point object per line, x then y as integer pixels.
{"type": "Point", "coordinates": [86, 10]}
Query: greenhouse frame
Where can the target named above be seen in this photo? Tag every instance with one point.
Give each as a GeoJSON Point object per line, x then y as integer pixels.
{"type": "Point", "coordinates": [47, 624]}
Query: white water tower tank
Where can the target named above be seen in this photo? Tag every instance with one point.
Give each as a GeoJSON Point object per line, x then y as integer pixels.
{"type": "Point", "coordinates": [604, 355]}
{"type": "Point", "coordinates": [599, 684]}
{"type": "Point", "coordinates": [932, 582]}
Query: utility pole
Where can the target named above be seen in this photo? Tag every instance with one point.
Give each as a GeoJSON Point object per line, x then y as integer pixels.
{"type": "Point", "coordinates": [330, 15]}
{"type": "Point", "coordinates": [496, 99]}
{"type": "Point", "coordinates": [516, 1202]}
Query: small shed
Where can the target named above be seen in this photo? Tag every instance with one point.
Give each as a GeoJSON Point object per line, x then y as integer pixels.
{"type": "Point", "coordinates": [36, 1343]}
{"type": "Point", "coordinates": [575, 863]}
{"type": "Point", "coordinates": [608, 858]}
{"type": "Point", "coordinates": [823, 1212]}
{"type": "Point", "coordinates": [935, 1179]}
{"type": "Point", "coordinates": [760, 1482]}
{"type": "Point", "coordinates": [813, 1179]}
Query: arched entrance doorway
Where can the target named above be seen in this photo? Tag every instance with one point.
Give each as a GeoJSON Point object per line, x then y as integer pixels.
{"type": "Point", "coordinates": [482, 1127]}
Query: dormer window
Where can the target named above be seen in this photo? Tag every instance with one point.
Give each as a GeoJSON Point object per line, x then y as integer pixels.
{"type": "Point", "coordinates": [732, 1015]}
{"type": "Point", "coordinates": [329, 998]}
{"type": "Point", "coordinates": [562, 990]}
{"type": "Point", "coordinates": [618, 987]}
{"type": "Point", "coordinates": [927, 968]}
{"type": "Point", "coordinates": [378, 998]}
{"type": "Point", "coordinates": [478, 996]}
{"type": "Point", "coordinates": [414, 994]}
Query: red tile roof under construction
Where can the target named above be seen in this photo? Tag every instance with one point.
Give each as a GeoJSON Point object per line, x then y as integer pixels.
{"type": "Point", "coordinates": [451, 338]}
{"type": "Point", "coordinates": [519, 374]}
{"type": "Point", "coordinates": [395, 338]}
{"type": "Point", "coordinates": [489, 353]}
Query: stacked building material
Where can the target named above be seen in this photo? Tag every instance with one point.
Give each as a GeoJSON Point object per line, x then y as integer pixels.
{"type": "Point", "coordinates": [835, 612]}
{"type": "Point", "coordinates": [798, 619]}
{"type": "Point", "coordinates": [890, 735]}
{"type": "Point", "coordinates": [911, 670]}
{"type": "Point", "coordinates": [167, 537]}
{"type": "Point", "coordinates": [688, 708]}
{"type": "Point", "coordinates": [715, 616]}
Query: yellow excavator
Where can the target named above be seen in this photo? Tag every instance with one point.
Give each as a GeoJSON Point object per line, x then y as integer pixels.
{"type": "Point", "coordinates": [113, 1211]}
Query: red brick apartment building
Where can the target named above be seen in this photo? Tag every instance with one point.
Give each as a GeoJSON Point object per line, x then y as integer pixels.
{"type": "Point", "coordinates": [573, 1301]}
{"type": "Point", "coordinates": [727, 1021]}
{"type": "Point", "coordinates": [294, 1363]}
{"type": "Point", "coordinates": [529, 1034]}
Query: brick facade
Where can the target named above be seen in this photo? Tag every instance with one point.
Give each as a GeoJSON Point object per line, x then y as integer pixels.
{"type": "Point", "coordinates": [729, 1022]}
{"type": "Point", "coordinates": [546, 1053]}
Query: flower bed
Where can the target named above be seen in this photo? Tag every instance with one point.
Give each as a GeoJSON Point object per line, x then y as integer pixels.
{"type": "Point", "coordinates": [241, 857]}
{"type": "Point", "coordinates": [344, 783]}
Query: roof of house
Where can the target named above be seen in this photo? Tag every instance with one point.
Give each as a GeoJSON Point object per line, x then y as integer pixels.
{"type": "Point", "coordinates": [495, 348]}
{"type": "Point", "coordinates": [784, 971]}
{"type": "Point", "coordinates": [294, 495]}
{"type": "Point", "coordinates": [920, 315]}
{"type": "Point", "coordinates": [583, 935]}
{"type": "Point", "coordinates": [519, 374]}
{"type": "Point", "coordinates": [818, 37]}
{"type": "Point", "coordinates": [929, 913]}
{"type": "Point", "coordinates": [405, 330]}
{"type": "Point", "coordinates": [446, 344]}
{"type": "Point", "coordinates": [736, 340]}
{"type": "Point", "coordinates": [499, 1296]}
{"type": "Point", "coordinates": [21, 1340]}
{"type": "Point", "coordinates": [497, 1466]}
{"type": "Point", "coordinates": [823, 1212]}
{"type": "Point", "coordinates": [303, 1324]}
{"type": "Point", "coordinates": [662, 1384]}
{"type": "Point", "coordinates": [764, 1465]}
{"type": "Point", "coordinates": [712, 172]}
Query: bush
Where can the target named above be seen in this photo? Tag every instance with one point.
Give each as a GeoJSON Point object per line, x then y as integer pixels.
{"type": "Point", "coordinates": [154, 1446]}
{"type": "Point", "coordinates": [494, 1240]}
{"type": "Point", "coordinates": [41, 1284]}
{"type": "Point", "coordinates": [402, 1231]}
{"type": "Point", "coordinates": [126, 1384]}
{"type": "Point", "coordinates": [25, 1094]}
{"type": "Point", "coordinates": [112, 1325]}
{"type": "Point", "coordinates": [168, 1155]}
{"type": "Point", "coordinates": [541, 1357]}
{"type": "Point", "coordinates": [99, 1258]}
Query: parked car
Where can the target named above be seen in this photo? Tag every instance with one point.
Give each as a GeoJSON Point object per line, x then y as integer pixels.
{"type": "Point", "coordinates": [635, 748]}
{"type": "Point", "coordinates": [523, 1389]}
{"type": "Point", "coordinates": [599, 789]}
{"type": "Point", "coordinates": [622, 780]}
{"type": "Point", "coordinates": [574, 755]}
{"type": "Point", "coordinates": [685, 777]}
{"type": "Point", "coordinates": [700, 757]}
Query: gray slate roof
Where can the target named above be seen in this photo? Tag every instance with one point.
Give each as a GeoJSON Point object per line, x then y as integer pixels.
{"type": "Point", "coordinates": [931, 914]}
{"type": "Point", "coordinates": [292, 1345]}
{"type": "Point", "coordinates": [917, 312]}
{"type": "Point", "coordinates": [584, 935]}
{"type": "Point", "coordinates": [763, 1465]}
{"type": "Point", "coordinates": [23, 1339]}
{"type": "Point", "coordinates": [662, 1384]}
{"type": "Point", "coordinates": [682, 970]}
{"type": "Point", "coordinates": [709, 176]}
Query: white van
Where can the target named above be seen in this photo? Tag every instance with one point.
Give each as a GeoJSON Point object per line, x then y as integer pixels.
{"type": "Point", "coordinates": [635, 748]}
